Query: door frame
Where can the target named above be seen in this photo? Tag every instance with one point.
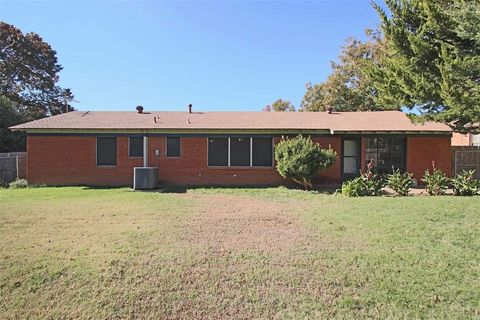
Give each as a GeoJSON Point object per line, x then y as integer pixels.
{"type": "Point", "coordinates": [358, 140]}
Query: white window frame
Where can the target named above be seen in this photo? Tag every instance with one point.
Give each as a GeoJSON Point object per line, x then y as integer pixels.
{"type": "Point", "coordinates": [475, 139]}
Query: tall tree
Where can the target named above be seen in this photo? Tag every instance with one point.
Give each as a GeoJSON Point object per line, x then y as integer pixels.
{"type": "Point", "coordinates": [9, 116]}
{"type": "Point", "coordinates": [280, 105]}
{"type": "Point", "coordinates": [28, 80]}
{"type": "Point", "coordinates": [432, 60]}
{"type": "Point", "coordinates": [314, 98]}
{"type": "Point", "coordinates": [349, 87]}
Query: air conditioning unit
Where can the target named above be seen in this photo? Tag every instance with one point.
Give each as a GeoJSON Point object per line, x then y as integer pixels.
{"type": "Point", "coordinates": [145, 178]}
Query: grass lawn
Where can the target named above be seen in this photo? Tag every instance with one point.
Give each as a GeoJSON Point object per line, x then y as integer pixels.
{"type": "Point", "coordinates": [236, 253]}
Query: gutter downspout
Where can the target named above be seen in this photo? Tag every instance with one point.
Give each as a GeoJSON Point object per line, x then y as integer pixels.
{"type": "Point", "coordinates": [145, 150]}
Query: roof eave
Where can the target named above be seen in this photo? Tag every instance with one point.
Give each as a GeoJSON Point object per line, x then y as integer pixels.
{"type": "Point", "coordinates": [396, 132]}
{"type": "Point", "coordinates": [173, 130]}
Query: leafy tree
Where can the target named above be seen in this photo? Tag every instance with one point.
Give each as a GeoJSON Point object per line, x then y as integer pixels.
{"type": "Point", "coordinates": [349, 87]}
{"type": "Point", "coordinates": [280, 105]}
{"type": "Point", "coordinates": [432, 60]}
{"type": "Point", "coordinates": [300, 159]}
{"type": "Point", "coordinates": [28, 82]}
{"type": "Point", "coordinates": [10, 116]}
{"type": "Point", "coordinates": [314, 98]}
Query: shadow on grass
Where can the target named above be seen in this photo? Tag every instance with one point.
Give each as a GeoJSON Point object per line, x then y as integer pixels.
{"type": "Point", "coordinates": [185, 189]}
{"type": "Point", "coordinates": [101, 187]}
{"type": "Point", "coordinates": [181, 189]}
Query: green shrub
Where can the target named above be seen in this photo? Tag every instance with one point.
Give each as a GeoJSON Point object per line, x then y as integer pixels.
{"type": "Point", "coordinates": [18, 184]}
{"type": "Point", "coordinates": [400, 182]}
{"type": "Point", "coordinates": [368, 184]}
{"type": "Point", "coordinates": [436, 182]}
{"type": "Point", "coordinates": [352, 188]}
{"type": "Point", "coordinates": [300, 159]}
{"type": "Point", "coordinates": [465, 184]}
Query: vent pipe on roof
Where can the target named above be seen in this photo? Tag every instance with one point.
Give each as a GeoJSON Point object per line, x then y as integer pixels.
{"type": "Point", "coordinates": [190, 108]}
{"type": "Point", "coordinates": [330, 110]}
{"type": "Point", "coordinates": [139, 109]}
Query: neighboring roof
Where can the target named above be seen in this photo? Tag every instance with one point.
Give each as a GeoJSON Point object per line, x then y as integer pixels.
{"type": "Point", "coordinates": [372, 121]}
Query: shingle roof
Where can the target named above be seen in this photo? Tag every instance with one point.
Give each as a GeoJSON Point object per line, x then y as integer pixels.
{"type": "Point", "coordinates": [336, 121]}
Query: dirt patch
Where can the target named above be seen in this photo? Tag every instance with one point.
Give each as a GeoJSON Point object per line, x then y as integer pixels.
{"type": "Point", "coordinates": [229, 222]}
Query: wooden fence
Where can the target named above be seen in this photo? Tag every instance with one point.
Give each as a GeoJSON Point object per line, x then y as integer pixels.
{"type": "Point", "coordinates": [13, 165]}
{"type": "Point", "coordinates": [466, 157]}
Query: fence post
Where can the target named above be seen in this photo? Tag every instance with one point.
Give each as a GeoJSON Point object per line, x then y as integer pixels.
{"type": "Point", "coordinates": [454, 162]}
{"type": "Point", "coordinates": [16, 163]}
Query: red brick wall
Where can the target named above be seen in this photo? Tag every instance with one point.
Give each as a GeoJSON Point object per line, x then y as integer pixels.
{"type": "Point", "coordinates": [192, 166]}
{"type": "Point", "coordinates": [421, 151]}
{"type": "Point", "coordinates": [460, 139]}
{"type": "Point", "coordinates": [60, 160]}
{"type": "Point", "coordinates": [66, 160]}
{"type": "Point", "coordinates": [332, 175]}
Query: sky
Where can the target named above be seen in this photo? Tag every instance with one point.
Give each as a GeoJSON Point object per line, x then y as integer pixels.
{"type": "Point", "coordinates": [216, 55]}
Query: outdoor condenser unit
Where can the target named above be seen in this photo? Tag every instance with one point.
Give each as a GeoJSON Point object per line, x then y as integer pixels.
{"type": "Point", "coordinates": [145, 178]}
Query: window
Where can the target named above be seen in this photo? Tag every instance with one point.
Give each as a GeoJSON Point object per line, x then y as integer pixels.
{"type": "Point", "coordinates": [350, 157]}
{"type": "Point", "coordinates": [262, 152]}
{"type": "Point", "coordinates": [106, 151]}
{"type": "Point", "coordinates": [386, 153]}
{"type": "Point", "coordinates": [240, 152]}
{"type": "Point", "coordinates": [218, 152]}
{"type": "Point", "coordinates": [135, 147]}
{"type": "Point", "coordinates": [173, 147]}
{"type": "Point", "coordinates": [476, 140]}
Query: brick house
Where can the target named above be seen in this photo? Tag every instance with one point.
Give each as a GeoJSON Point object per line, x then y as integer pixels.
{"type": "Point", "coordinates": [465, 139]}
{"type": "Point", "coordinates": [223, 148]}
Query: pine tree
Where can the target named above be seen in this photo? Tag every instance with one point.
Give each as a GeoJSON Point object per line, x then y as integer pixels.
{"type": "Point", "coordinates": [432, 60]}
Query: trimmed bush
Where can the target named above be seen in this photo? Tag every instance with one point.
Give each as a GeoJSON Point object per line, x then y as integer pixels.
{"type": "Point", "coordinates": [18, 184]}
{"type": "Point", "coordinates": [465, 183]}
{"type": "Point", "coordinates": [436, 182]}
{"type": "Point", "coordinates": [300, 159]}
{"type": "Point", "coordinates": [400, 182]}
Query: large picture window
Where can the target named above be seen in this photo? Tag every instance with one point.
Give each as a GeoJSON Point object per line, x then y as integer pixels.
{"type": "Point", "coordinates": [240, 152]}
{"type": "Point", "coordinates": [106, 151]}
{"type": "Point", "coordinates": [135, 147]}
{"type": "Point", "coordinates": [386, 153]}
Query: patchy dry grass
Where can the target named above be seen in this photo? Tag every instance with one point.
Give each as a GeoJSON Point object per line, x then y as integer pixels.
{"type": "Point", "coordinates": [236, 253]}
{"type": "Point", "coordinates": [228, 222]}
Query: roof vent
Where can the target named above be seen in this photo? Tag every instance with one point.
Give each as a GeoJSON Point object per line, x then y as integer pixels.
{"type": "Point", "coordinates": [190, 108]}
{"type": "Point", "coordinates": [139, 109]}
{"type": "Point", "coordinates": [330, 110]}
